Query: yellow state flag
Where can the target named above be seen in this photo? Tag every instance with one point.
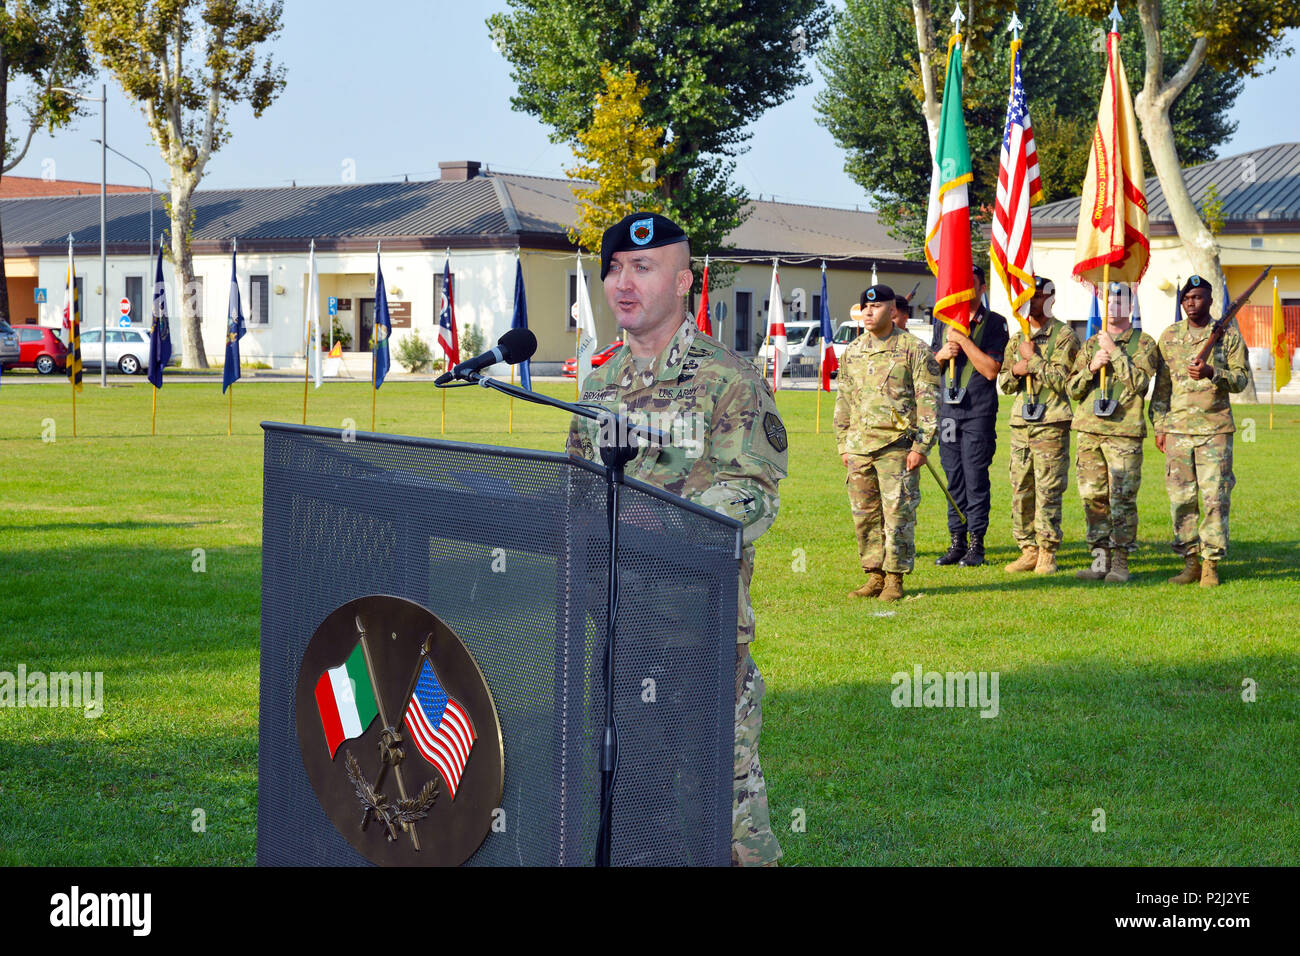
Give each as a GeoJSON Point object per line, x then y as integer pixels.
{"type": "Point", "coordinates": [1281, 348]}
{"type": "Point", "coordinates": [1113, 207]}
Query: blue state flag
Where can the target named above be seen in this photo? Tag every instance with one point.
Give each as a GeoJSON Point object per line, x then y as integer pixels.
{"type": "Point", "coordinates": [520, 321]}
{"type": "Point", "coordinates": [383, 327]}
{"type": "Point", "coordinates": [1094, 319]}
{"type": "Point", "coordinates": [160, 336]}
{"type": "Point", "coordinates": [234, 330]}
{"type": "Point", "coordinates": [1178, 302]}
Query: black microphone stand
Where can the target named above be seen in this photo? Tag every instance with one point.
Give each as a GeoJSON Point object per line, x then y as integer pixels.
{"type": "Point", "coordinates": [614, 456]}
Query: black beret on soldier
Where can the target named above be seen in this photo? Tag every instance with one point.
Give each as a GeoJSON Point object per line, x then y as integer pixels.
{"type": "Point", "coordinates": [877, 293]}
{"type": "Point", "coordinates": [1193, 282]}
{"type": "Point", "coordinates": [639, 230]}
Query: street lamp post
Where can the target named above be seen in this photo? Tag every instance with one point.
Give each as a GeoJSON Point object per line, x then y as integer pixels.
{"type": "Point", "coordinates": [102, 100]}
{"type": "Point", "coordinates": [147, 173]}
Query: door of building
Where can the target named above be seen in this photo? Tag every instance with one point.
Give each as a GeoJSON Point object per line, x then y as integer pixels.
{"type": "Point", "coordinates": [366, 323]}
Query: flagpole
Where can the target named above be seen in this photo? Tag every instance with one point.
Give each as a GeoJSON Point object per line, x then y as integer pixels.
{"type": "Point", "coordinates": [306, 352]}
{"type": "Point", "coordinates": [510, 425]}
{"type": "Point", "coordinates": [1273, 336]}
{"type": "Point", "coordinates": [230, 407]}
{"type": "Point", "coordinates": [153, 422]}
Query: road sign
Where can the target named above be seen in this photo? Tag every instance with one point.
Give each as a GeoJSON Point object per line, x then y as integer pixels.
{"type": "Point", "coordinates": [124, 322]}
{"type": "Point", "coordinates": [41, 296]}
{"type": "Point", "coordinates": [125, 305]}
{"type": "Point", "coordinates": [334, 305]}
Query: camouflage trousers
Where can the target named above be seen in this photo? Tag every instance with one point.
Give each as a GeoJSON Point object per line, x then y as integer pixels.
{"type": "Point", "coordinates": [752, 841]}
{"type": "Point", "coordinates": [883, 496]}
{"type": "Point", "coordinates": [1040, 470]}
{"type": "Point", "coordinates": [1199, 463]}
{"type": "Point", "coordinates": [1109, 472]}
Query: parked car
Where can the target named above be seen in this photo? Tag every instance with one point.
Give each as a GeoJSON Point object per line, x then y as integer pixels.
{"type": "Point", "coordinates": [9, 350]}
{"type": "Point", "coordinates": [128, 349]}
{"type": "Point", "coordinates": [803, 344]}
{"type": "Point", "coordinates": [40, 348]}
{"type": "Point", "coordinates": [844, 335]}
{"type": "Point", "coordinates": [570, 366]}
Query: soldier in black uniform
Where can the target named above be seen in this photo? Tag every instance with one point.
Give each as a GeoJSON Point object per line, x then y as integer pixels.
{"type": "Point", "coordinates": [967, 430]}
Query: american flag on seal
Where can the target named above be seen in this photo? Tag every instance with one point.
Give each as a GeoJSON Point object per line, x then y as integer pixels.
{"type": "Point", "coordinates": [440, 728]}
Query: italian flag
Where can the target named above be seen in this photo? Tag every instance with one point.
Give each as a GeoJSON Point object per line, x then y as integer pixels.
{"type": "Point", "coordinates": [947, 227]}
{"type": "Point", "coordinates": [345, 696]}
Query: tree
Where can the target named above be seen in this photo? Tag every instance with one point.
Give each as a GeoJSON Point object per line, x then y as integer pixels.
{"type": "Point", "coordinates": [621, 155]}
{"type": "Point", "coordinates": [42, 46]}
{"type": "Point", "coordinates": [710, 67]}
{"type": "Point", "coordinates": [1063, 64]}
{"type": "Point", "coordinates": [148, 45]}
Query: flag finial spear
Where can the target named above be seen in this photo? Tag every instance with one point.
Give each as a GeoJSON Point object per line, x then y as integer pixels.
{"type": "Point", "coordinates": [1015, 26]}
{"type": "Point", "coordinates": [1114, 17]}
{"type": "Point", "coordinates": [957, 18]}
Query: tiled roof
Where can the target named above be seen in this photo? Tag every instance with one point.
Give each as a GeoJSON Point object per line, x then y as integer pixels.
{"type": "Point", "coordinates": [1262, 185]}
{"type": "Point", "coordinates": [13, 187]}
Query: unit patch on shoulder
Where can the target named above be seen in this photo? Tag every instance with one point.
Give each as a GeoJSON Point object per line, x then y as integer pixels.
{"type": "Point", "coordinates": [775, 431]}
{"type": "Point", "coordinates": [932, 365]}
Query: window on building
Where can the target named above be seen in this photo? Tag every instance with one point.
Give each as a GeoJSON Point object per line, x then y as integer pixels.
{"type": "Point", "coordinates": [134, 294]}
{"type": "Point", "coordinates": [259, 303]}
{"type": "Point", "coordinates": [744, 306]}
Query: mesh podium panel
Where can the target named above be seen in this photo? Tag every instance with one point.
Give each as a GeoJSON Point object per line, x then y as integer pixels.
{"type": "Point", "coordinates": [510, 549]}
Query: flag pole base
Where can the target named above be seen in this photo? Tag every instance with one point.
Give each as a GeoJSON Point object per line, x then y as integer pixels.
{"type": "Point", "coordinates": [1104, 407]}
{"type": "Point", "coordinates": [953, 396]}
{"type": "Point", "coordinates": [1033, 411]}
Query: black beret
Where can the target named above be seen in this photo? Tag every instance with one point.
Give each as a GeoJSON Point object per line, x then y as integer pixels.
{"type": "Point", "coordinates": [877, 293]}
{"type": "Point", "coordinates": [901, 303]}
{"type": "Point", "coordinates": [1044, 285]}
{"type": "Point", "coordinates": [1193, 282]}
{"type": "Point", "coordinates": [979, 271]}
{"type": "Point", "coordinates": [640, 230]}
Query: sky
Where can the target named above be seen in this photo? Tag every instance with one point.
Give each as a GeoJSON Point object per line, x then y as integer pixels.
{"type": "Point", "coordinates": [394, 90]}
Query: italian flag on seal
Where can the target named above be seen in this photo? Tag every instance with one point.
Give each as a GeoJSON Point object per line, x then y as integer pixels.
{"type": "Point", "coordinates": [345, 696]}
{"type": "Point", "coordinates": [947, 227]}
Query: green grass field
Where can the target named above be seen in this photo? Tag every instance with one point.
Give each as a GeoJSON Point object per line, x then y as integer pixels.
{"type": "Point", "coordinates": [1124, 699]}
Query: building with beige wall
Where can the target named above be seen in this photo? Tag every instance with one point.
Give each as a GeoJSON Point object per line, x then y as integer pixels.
{"type": "Point", "coordinates": [480, 219]}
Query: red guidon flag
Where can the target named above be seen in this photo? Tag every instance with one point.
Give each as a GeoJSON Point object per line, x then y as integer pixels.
{"type": "Point", "coordinates": [947, 228]}
{"type": "Point", "coordinates": [1113, 208]}
{"type": "Point", "coordinates": [702, 316]}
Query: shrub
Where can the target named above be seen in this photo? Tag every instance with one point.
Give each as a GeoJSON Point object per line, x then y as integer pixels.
{"type": "Point", "coordinates": [414, 352]}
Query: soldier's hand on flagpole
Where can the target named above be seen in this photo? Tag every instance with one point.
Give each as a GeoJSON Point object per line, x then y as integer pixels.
{"type": "Point", "coordinates": [1020, 369]}
{"type": "Point", "coordinates": [1160, 442]}
{"type": "Point", "coordinates": [949, 350]}
{"type": "Point", "coordinates": [1100, 359]}
{"type": "Point", "coordinates": [914, 460]}
{"type": "Point", "coordinates": [1026, 350]}
{"type": "Point", "coordinates": [1105, 341]}
{"type": "Point", "coordinates": [1199, 370]}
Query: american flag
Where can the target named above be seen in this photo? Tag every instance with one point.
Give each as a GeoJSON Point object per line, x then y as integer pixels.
{"type": "Point", "coordinates": [1019, 187]}
{"type": "Point", "coordinates": [439, 728]}
{"type": "Point", "coordinates": [447, 336]}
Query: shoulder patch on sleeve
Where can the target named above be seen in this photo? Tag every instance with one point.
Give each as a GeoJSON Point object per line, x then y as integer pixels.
{"type": "Point", "coordinates": [775, 431]}
{"type": "Point", "coordinates": [932, 365]}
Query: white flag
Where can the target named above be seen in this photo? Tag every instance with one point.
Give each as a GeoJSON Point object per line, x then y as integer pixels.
{"type": "Point", "coordinates": [312, 344]}
{"type": "Point", "coordinates": [776, 329]}
{"type": "Point", "coordinates": [586, 327]}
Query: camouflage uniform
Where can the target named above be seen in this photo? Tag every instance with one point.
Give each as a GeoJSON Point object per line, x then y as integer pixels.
{"type": "Point", "coordinates": [735, 471]}
{"type": "Point", "coordinates": [1040, 450]}
{"type": "Point", "coordinates": [1108, 454]}
{"type": "Point", "coordinates": [1197, 420]}
{"type": "Point", "coordinates": [878, 376]}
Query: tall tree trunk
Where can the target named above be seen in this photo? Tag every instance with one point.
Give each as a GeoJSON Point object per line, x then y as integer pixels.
{"type": "Point", "coordinates": [1152, 106]}
{"type": "Point", "coordinates": [4, 283]}
{"type": "Point", "coordinates": [193, 353]}
{"type": "Point", "coordinates": [931, 106]}
{"type": "Point", "coordinates": [4, 138]}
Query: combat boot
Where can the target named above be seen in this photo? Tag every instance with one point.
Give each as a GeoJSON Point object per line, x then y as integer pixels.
{"type": "Point", "coordinates": [893, 589]}
{"type": "Point", "coordinates": [1191, 572]}
{"type": "Point", "coordinates": [875, 582]}
{"type": "Point", "coordinates": [1028, 560]}
{"type": "Point", "coordinates": [1209, 574]}
{"type": "Point", "coordinates": [956, 551]}
{"type": "Point", "coordinates": [1095, 574]}
{"type": "Point", "coordinates": [1118, 573]}
{"type": "Point", "coordinates": [1046, 562]}
{"type": "Point", "coordinates": [974, 555]}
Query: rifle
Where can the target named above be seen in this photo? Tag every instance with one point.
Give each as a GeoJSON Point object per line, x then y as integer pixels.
{"type": "Point", "coordinates": [1221, 326]}
{"type": "Point", "coordinates": [910, 434]}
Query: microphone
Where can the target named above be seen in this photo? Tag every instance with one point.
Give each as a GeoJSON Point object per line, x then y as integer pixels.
{"type": "Point", "coordinates": [517, 345]}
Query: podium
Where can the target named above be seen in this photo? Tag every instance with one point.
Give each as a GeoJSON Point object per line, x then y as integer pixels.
{"type": "Point", "coordinates": [509, 548]}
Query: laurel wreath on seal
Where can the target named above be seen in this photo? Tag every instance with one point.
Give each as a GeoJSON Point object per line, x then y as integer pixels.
{"type": "Point", "coordinates": [404, 814]}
